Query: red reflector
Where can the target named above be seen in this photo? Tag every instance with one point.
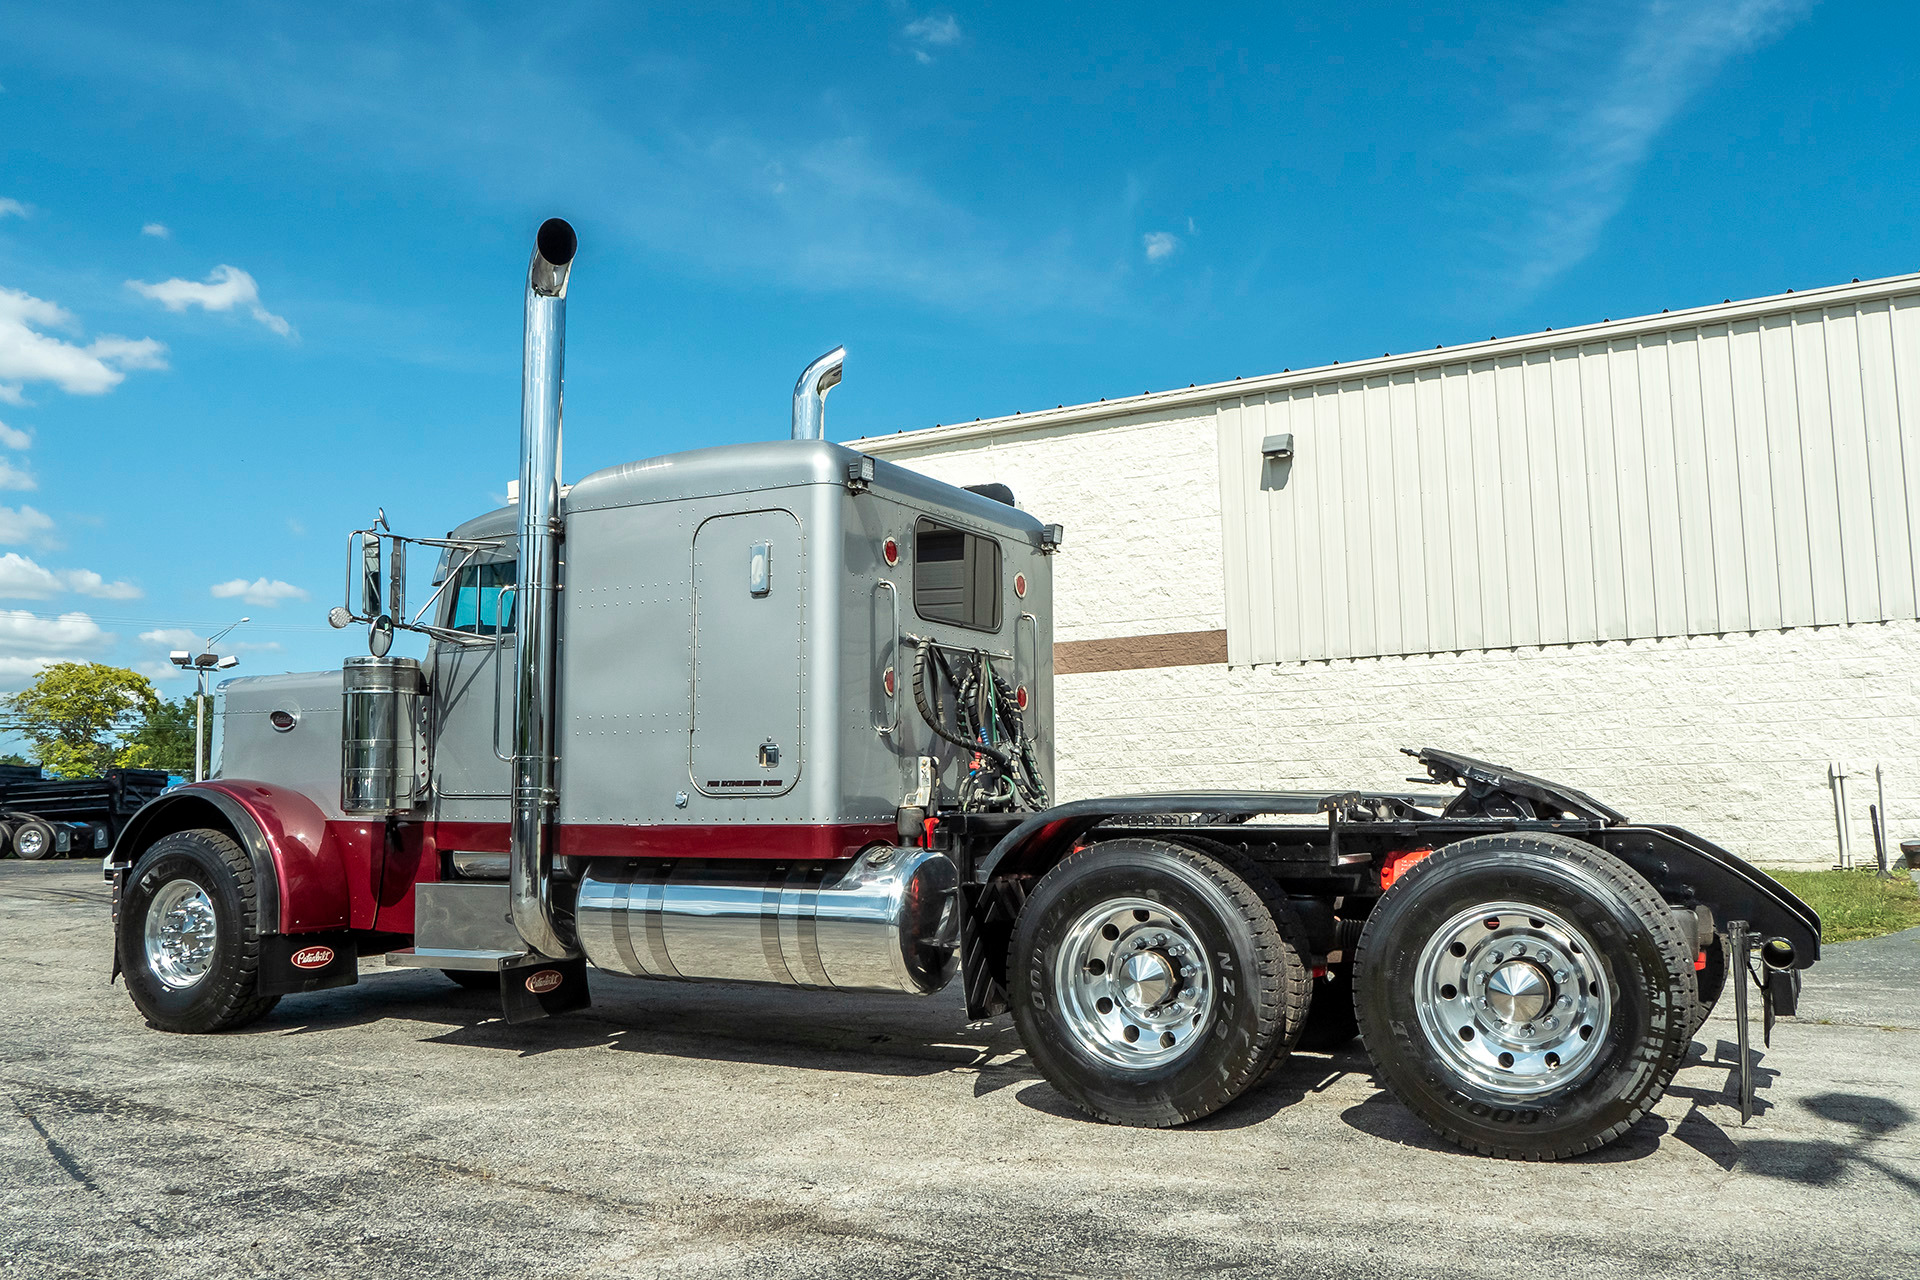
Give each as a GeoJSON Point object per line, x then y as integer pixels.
{"type": "Point", "coordinates": [1700, 962]}
{"type": "Point", "coordinates": [1020, 697]}
{"type": "Point", "coordinates": [1319, 971]}
{"type": "Point", "coordinates": [888, 681]}
{"type": "Point", "coordinates": [891, 550]}
{"type": "Point", "coordinates": [1020, 585]}
{"type": "Point", "coordinates": [1397, 865]}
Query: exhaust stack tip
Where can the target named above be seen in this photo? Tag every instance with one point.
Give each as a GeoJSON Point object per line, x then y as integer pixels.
{"type": "Point", "coordinates": [810, 394]}
{"type": "Point", "coordinates": [553, 250]}
{"type": "Point", "coordinates": [557, 242]}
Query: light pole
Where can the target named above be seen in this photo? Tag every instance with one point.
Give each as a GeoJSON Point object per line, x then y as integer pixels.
{"type": "Point", "coordinates": [203, 664]}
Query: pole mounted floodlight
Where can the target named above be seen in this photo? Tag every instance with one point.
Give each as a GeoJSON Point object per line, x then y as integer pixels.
{"type": "Point", "coordinates": [201, 664]}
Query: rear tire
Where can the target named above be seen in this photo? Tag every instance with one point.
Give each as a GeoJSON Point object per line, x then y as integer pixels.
{"type": "Point", "coordinates": [1153, 984]}
{"type": "Point", "coordinates": [189, 934]}
{"type": "Point", "coordinates": [1526, 995]}
{"type": "Point", "coordinates": [33, 840]}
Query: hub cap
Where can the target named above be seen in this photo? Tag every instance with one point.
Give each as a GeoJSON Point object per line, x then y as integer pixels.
{"type": "Point", "coordinates": [1513, 997]}
{"type": "Point", "coordinates": [1135, 985]}
{"type": "Point", "coordinates": [180, 934]}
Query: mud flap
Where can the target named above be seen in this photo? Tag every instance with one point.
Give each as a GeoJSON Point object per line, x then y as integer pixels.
{"type": "Point", "coordinates": [291, 963]}
{"type": "Point", "coordinates": [531, 992]}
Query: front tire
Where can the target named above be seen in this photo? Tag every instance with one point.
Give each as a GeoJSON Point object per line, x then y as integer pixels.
{"type": "Point", "coordinates": [1527, 996]}
{"type": "Point", "coordinates": [189, 935]}
{"type": "Point", "coordinates": [1153, 984]}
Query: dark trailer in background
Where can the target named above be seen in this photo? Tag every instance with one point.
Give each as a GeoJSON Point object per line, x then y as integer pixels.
{"type": "Point", "coordinates": [42, 816]}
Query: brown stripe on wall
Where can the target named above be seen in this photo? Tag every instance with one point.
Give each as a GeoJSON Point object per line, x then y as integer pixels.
{"type": "Point", "coordinates": [1137, 653]}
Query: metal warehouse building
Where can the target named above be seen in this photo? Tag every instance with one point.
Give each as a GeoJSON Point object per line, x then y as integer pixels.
{"type": "Point", "coordinates": [1671, 560]}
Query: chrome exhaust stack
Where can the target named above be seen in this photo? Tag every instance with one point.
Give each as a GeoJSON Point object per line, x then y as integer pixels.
{"type": "Point", "coordinates": [810, 395]}
{"type": "Point", "coordinates": [536, 594]}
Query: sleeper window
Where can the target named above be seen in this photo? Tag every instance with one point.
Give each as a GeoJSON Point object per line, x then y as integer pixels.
{"type": "Point", "coordinates": [477, 598]}
{"type": "Point", "coordinates": [956, 576]}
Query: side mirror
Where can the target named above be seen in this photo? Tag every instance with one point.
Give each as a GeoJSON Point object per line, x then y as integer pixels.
{"type": "Point", "coordinates": [397, 581]}
{"type": "Point", "coordinates": [370, 575]}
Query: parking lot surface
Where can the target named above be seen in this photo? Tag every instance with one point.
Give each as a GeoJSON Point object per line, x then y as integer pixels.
{"type": "Point", "coordinates": [399, 1128]}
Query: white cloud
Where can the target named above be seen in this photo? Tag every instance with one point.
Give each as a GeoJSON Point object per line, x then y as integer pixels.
{"type": "Point", "coordinates": [936, 30]}
{"type": "Point", "coordinates": [171, 638]}
{"type": "Point", "coordinates": [29, 355]}
{"type": "Point", "coordinates": [225, 288]}
{"type": "Point", "coordinates": [12, 209]}
{"type": "Point", "coordinates": [154, 669]}
{"type": "Point", "coordinates": [260, 591]}
{"type": "Point", "coordinates": [24, 579]}
{"type": "Point", "coordinates": [12, 477]}
{"type": "Point", "coordinates": [86, 582]}
{"type": "Point", "coordinates": [1596, 137]}
{"type": "Point", "coordinates": [26, 524]}
{"type": "Point", "coordinates": [26, 633]}
{"type": "Point", "coordinates": [18, 673]}
{"type": "Point", "coordinates": [14, 438]}
{"type": "Point", "coordinates": [1160, 244]}
{"type": "Point", "coordinates": [157, 230]}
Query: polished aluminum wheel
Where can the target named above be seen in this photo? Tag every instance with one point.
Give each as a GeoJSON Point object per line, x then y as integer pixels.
{"type": "Point", "coordinates": [31, 842]}
{"type": "Point", "coordinates": [1134, 982]}
{"type": "Point", "coordinates": [180, 934]}
{"type": "Point", "coordinates": [1513, 997]}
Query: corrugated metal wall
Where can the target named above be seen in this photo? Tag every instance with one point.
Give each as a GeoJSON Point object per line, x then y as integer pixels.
{"type": "Point", "coordinates": [1738, 474]}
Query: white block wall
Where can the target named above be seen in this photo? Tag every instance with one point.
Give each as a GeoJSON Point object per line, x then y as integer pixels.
{"type": "Point", "coordinates": [1728, 735]}
{"type": "Point", "coordinates": [1140, 499]}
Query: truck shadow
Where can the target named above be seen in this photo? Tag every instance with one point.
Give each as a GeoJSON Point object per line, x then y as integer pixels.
{"type": "Point", "coordinates": [1814, 1162]}
{"type": "Point", "coordinates": [805, 1030]}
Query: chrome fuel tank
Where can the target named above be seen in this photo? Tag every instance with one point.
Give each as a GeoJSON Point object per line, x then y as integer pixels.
{"type": "Point", "coordinates": [886, 922]}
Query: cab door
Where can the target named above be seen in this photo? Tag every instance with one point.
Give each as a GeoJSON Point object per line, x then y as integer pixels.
{"type": "Point", "coordinates": [471, 782]}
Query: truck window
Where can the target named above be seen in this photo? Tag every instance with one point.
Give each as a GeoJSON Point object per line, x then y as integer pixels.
{"type": "Point", "coordinates": [476, 598]}
{"type": "Point", "coordinates": [956, 576]}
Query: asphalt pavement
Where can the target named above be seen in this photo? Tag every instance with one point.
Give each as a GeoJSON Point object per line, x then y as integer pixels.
{"type": "Point", "coordinates": [399, 1128]}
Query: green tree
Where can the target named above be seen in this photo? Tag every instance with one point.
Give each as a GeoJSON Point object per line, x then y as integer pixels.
{"type": "Point", "coordinates": [14, 757]}
{"type": "Point", "coordinates": [80, 716]}
{"type": "Point", "coordinates": [164, 739]}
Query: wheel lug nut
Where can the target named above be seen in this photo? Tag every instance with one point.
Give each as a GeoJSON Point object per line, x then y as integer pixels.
{"type": "Point", "coordinates": [1559, 975]}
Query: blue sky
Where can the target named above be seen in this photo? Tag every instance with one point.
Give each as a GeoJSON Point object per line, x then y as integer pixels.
{"type": "Point", "coordinates": [260, 266]}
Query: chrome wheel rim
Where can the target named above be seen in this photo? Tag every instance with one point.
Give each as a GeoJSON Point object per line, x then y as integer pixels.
{"type": "Point", "coordinates": [1513, 997]}
{"type": "Point", "coordinates": [180, 934]}
{"type": "Point", "coordinates": [1136, 988]}
{"type": "Point", "coordinates": [31, 842]}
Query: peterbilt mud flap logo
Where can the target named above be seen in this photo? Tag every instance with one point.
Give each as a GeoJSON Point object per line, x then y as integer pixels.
{"type": "Point", "coordinates": [313, 958]}
{"type": "Point", "coordinates": [544, 981]}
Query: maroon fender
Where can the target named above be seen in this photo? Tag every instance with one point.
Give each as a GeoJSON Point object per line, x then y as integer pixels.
{"type": "Point", "coordinates": [303, 864]}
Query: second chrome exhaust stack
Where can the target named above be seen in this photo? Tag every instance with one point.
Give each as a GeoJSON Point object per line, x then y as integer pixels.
{"type": "Point", "coordinates": [810, 395]}
{"type": "Point", "coordinates": [536, 594]}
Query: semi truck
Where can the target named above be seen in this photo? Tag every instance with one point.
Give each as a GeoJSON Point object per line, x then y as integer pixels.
{"type": "Point", "coordinates": [781, 712]}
